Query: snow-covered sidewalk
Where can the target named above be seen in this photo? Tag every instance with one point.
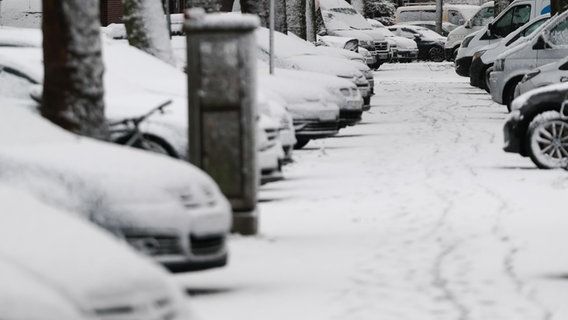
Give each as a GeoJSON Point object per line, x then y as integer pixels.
{"type": "Point", "coordinates": [416, 213]}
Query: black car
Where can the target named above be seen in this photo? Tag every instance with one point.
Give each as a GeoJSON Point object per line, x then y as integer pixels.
{"type": "Point", "coordinates": [537, 126]}
{"type": "Point", "coordinates": [430, 44]}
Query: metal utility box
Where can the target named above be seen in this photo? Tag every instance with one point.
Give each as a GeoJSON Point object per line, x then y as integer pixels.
{"type": "Point", "coordinates": [221, 57]}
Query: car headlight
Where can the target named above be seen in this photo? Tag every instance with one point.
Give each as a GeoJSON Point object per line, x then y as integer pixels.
{"type": "Point", "coordinates": [366, 43]}
{"type": "Point", "coordinates": [530, 75]}
{"type": "Point", "coordinates": [345, 92]}
{"type": "Point", "coordinates": [466, 42]}
{"type": "Point", "coordinates": [477, 55]}
{"type": "Point", "coordinates": [352, 45]}
{"type": "Point", "coordinates": [499, 65]}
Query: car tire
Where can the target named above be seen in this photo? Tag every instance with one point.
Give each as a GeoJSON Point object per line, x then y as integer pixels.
{"type": "Point", "coordinates": [301, 142]}
{"type": "Point", "coordinates": [547, 140]}
{"type": "Point", "coordinates": [436, 54]}
{"type": "Point", "coordinates": [486, 78]}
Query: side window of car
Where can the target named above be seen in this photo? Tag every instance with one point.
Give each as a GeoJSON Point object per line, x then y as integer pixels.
{"type": "Point", "coordinates": [512, 20]}
{"type": "Point", "coordinates": [407, 33]}
{"type": "Point", "coordinates": [559, 34]}
{"type": "Point", "coordinates": [455, 17]}
{"type": "Point", "coordinates": [14, 85]}
{"type": "Point", "coordinates": [482, 17]}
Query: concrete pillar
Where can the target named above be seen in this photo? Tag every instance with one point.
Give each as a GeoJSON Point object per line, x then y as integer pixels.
{"type": "Point", "coordinates": [222, 110]}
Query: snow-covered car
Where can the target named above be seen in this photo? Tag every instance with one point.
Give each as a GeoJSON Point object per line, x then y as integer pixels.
{"type": "Point", "coordinates": [552, 73]}
{"type": "Point", "coordinates": [314, 115]}
{"type": "Point", "coordinates": [289, 53]}
{"type": "Point", "coordinates": [55, 266]}
{"type": "Point", "coordinates": [166, 208]}
{"type": "Point", "coordinates": [537, 126]}
{"type": "Point", "coordinates": [447, 27]}
{"type": "Point", "coordinates": [483, 59]}
{"type": "Point", "coordinates": [406, 49]}
{"type": "Point", "coordinates": [430, 44]}
{"type": "Point", "coordinates": [340, 91]}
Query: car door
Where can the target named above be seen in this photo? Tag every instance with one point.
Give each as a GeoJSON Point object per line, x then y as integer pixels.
{"type": "Point", "coordinates": [556, 46]}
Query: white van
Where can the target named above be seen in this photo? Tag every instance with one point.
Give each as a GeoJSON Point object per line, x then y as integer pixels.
{"type": "Point", "coordinates": [457, 14]}
{"type": "Point", "coordinates": [515, 15]}
{"type": "Point", "coordinates": [550, 44]}
{"type": "Point", "coordinates": [480, 19]}
{"type": "Point", "coordinates": [342, 20]}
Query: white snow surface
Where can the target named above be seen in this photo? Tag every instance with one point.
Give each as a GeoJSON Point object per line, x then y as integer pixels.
{"type": "Point", "coordinates": [415, 213]}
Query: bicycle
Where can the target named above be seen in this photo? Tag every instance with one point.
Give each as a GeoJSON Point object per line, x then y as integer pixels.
{"type": "Point", "coordinates": [127, 132]}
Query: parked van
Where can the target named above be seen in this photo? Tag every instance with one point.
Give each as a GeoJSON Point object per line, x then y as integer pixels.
{"type": "Point", "coordinates": [514, 16]}
{"type": "Point", "coordinates": [342, 20]}
{"type": "Point", "coordinates": [550, 44]}
{"type": "Point", "coordinates": [457, 14]}
{"type": "Point", "coordinates": [480, 19]}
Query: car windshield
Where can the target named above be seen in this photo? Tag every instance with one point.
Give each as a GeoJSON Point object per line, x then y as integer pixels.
{"type": "Point", "coordinates": [427, 33]}
{"type": "Point", "coordinates": [344, 19]}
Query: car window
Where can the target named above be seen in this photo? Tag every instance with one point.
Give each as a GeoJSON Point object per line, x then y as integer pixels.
{"type": "Point", "coordinates": [14, 84]}
{"type": "Point", "coordinates": [512, 20]}
{"type": "Point", "coordinates": [483, 17]}
{"type": "Point", "coordinates": [455, 17]}
{"type": "Point", "coordinates": [533, 27]}
{"type": "Point", "coordinates": [559, 34]}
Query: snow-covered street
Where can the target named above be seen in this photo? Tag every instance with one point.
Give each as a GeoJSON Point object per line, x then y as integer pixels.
{"type": "Point", "coordinates": [414, 214]}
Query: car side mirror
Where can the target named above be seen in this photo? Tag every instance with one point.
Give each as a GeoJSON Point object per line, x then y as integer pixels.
{"type": "Point", "coordinates": [540, 43]}
{"type": "Point", "coordinates": [490, 29]}
{"type": "Point", "coordinates": [468, 24]}
{"type": "Point", "coordinates": [417, 37]}
{"type": "Point", "coordinates": [322, 33]}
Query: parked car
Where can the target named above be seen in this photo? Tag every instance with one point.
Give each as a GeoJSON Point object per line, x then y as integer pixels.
{"type": "Point", "coordinates": [510, 19]}
{"type": "Point", "coordinates": [537, 126]}
{"type": "Point", "coordinates": [407, 49]}
{"type": "Point", "coordinates": [341, 19]}
{"type": "Point", "coordinates": [165, 208]}
{"type": "Point", "coordinates": [271, 151]}
{"type": "Point", "coordinates": [289, 53]}
{"type": "Point", "coordinates": [552, 73]}
{"type": "Point", "coordinates": [277, 110]}
{"type": "Point", "coordinates": [480, 19]}
{"type": "Point", "coordinates": [447, 27]}
{"type": "Point", "coordinates": [430, 44]}
{"type": "Point", "coordinates": [456, 14]}
{"type": "Point", "coordinates": [548, 45]}
{"type": "Point", "coordinates": [314, 115]}
{"type": "Point", "coordinates": [56, 266]}
{"type": "Point", "coordinates": [482, 60]}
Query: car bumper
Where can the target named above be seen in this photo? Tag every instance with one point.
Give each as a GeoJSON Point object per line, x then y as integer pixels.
{"type": "Point", "coordinates": [316, 129]}
{"type": "Point", "coordinates": [349, 117]}
{"type": "Point", "coordinates": [462, 66]}
{"type": "Point", "coordinates": [512, 142]}
{"type": "Point", "coordinates": [477, 72]}
{"type": "Point", "coordinates": [407, 54]}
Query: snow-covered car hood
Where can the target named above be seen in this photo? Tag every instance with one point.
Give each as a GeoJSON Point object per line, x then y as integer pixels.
{"type": "Point", "coordinates": [94, 177]}
{"type": "Point", "coordinates": [327, 65]}
{"type": "Point", "coordinates": [553, 92]}
{"type": "Point", "coordinates": [404, 43]}
{"type": "Point", "coordinates": [79, 268]}
{"type": "Point", "coordinates": [293, 92]}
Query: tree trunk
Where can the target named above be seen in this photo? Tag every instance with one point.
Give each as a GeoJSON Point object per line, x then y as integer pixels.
{"type": "Point", "coordinates": [296, 17]}
{"type": "Point", "coordinates": [147, 28]}
{"type": "Point", "coordinates": [558, 6]}
{"type": "Point", "coordinates": [500, 5]}
{"type": "Point", "coordinates": [73, 68]}
{"type": "Point", "coordinates": [280, 16]}
{"type": "Point", "coordinates": [208, 5]}
{"type": "Point", "coordinates": [227, 5]}
{"type": "Point", "coordinates": [311, 20]}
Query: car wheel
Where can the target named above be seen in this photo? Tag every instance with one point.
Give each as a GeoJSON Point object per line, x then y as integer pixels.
{"type": "Point", "coordinates": [436, 54]}
{"type": "Point", "coordinates": [486, 79]}
{"type": "Point", "coordinates": [301, 142]}
{"type": "Point", "coordinates": [547, 140]}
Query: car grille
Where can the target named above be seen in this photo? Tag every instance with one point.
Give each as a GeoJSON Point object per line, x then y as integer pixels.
{"type": "Point", "coordinates": [154, 245]}
{"type": "Point", "coordinates": [206, 245]}
{"type": "Point", "coordinates": [381, 46]}
{"type": "Point", "coordinates": [271, 134]}
{"type": "Point", "coordinates": [152, 309]}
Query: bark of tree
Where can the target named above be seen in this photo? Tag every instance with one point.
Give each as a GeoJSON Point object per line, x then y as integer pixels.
{"type": "Point", "coordinates": [147, 28]}
{"type": "Point", "coordinates": [296, 17]}
{"type": "Point", "coordinates": [558, 6]}
{"type": "Point", "coordinates": [259, 7]}
{"type": "Point", "coordinates": [73, 68]}
{"type": "Point", "coordinates": [500, 5]}
{"type": "Point", "coordinates": [311, 20]}
{"type": "Point", "coordinates": [280, 16]}
{"type": "Point", "coordinates": [208, 5]}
